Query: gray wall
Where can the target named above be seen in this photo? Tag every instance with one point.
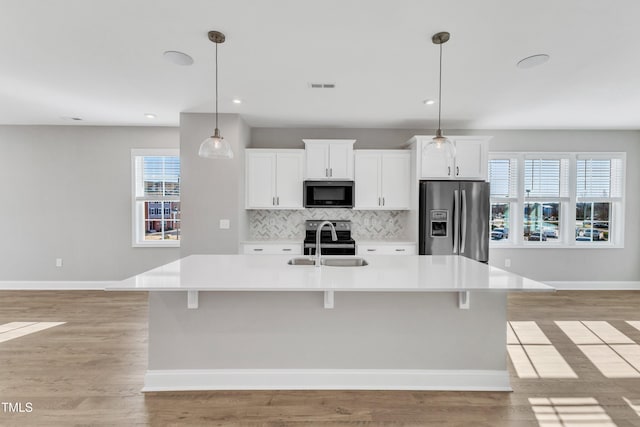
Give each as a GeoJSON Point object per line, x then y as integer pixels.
{"type": "Point", "coordinates": [67, 194]}
{"type": "Point", "coordinates": [292, 330]}
{"type": "Point", "coordinates": [72, 196]}
{"type": "Point", "coordinates": [212, 189]}
{"type": "Point", "coordinates": [540, 264]}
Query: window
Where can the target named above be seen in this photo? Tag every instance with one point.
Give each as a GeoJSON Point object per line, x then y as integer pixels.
{"type": "Point", "coordinates": [557, 200]}
{"type": "Point", "coordinates": [156, 197]}
{"type": "Point", "coordinates": [503, 175]}
{"type": "Point", "coordinates": [545, 192]}
{"type": "Point", "coordinates": [598, 192]}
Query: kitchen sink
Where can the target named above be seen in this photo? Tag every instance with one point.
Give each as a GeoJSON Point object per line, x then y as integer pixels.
{"type": "Point", "coordinates": [344, 262]}
{"type": "Point", "coordinates": [331, 262]}
{"type": "Point", "coordinates": [302, 261]}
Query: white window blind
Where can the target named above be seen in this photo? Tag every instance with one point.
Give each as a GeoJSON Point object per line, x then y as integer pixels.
{"type": "Point", "coordinates": [157, 177]}
{"type": "Point", "coordinates": [599, 178]}
{"type": "Point", "coordinates": [546, 177]}
{"type": "Point", "coordinates": [503, 176]}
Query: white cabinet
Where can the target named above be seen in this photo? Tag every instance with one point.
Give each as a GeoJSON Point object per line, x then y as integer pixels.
{"type": "Point", "coordinates": [382, 179]}
{"type": "Point", "coordinates": [329, 158]}
{"type": "Point", "coordinates": [387, 248]}
{"type": "Point", "coordinates": [267, 248]}
{"type": "Point", "coordinates": [470, 161]}
{"type": "Point", "coordinates": [273, 179]}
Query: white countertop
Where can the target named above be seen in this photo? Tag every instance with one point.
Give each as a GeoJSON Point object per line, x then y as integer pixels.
{"type": "Point", "coordinates": [385, 273]}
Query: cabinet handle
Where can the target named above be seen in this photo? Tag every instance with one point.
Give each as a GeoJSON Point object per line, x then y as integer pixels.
{"type": "Point", "coordinates": [257, 249]}
{"type": "Point", "coordinates": [379, 201]}
{"type": "Point", "coordinates": [371, 250]}
{"type": "Point", "coordinates": [383, 201]}
{"type": "Point", "coordinates": [331, 172]}
{"type": "Point", "coordinates": [278, 201]}
{"type": "Point", "coordinates": [399, 250]}
{"type": "Point", "coordinates": [273, 201]}
{"type": "Point", "coordinates": [289, 249]}
{"type": "Point", "coordinates": [448, 170]}
{"type": "Point", "coordinates": [457, 170]}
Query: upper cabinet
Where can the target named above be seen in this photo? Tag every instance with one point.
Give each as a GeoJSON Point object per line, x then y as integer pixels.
{"type": "Point", "coordinates": [329, 158]}
{"type": "Point", "coordinates": [382, 179]}
{"type": "Point", "coordinates": [274, 179]}
{"type": "Point", "coordinates": [470, 161]}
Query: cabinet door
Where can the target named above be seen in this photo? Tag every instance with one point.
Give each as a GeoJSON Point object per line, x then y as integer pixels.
{"type": "Point", "coordinates": [396, 180]}
{"type": "Point", "coordinates": [340, 161]}
{"type": "Point", "coordinates": [387, 249]}
{"type": "Point", "coordinates": [367, 181]}
{"type": "Point", "coordinates": [260, 180]}
{"type": "Point", "coordinates": [469, 159]}
{"type": "Point", "coordinates": [271, 248]}
{"type": "Point", "coordinates": [435, 163]}
{"type": "Point", "coordinates": [289, 179]}
{"type": "Point", "coordinates": [317, 155]}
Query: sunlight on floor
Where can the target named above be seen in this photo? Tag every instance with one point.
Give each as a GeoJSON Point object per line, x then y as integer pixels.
{"type": "Point", "coordinates": [12, 330]}
{"type": "Point", "coordinates": [533, 355]}
{"type": "Point", "coordinates": [634, 323]}
{"type": "Point", "coordinates": [529, 333]}
{"type": "Point", "coordinates": [633, 404]}
{"type": "Point", "coordinates": [613, 353]}
{"type": "Point", "coordinates": [569, 412]}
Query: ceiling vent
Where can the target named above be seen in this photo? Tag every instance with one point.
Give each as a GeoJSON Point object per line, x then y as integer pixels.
{"type": "Point", "coordinates": [322, 85]}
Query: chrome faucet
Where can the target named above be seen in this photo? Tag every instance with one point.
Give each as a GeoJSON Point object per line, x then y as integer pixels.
{"type": "Point", "coordinates": [334, 237]}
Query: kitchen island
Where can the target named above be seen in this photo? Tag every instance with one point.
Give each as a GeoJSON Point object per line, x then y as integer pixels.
{"type": "Point", "coordinates": [221, 322]}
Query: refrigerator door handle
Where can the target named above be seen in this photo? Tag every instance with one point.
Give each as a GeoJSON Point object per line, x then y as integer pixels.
{"type": "Point", "coordinates": [456, 226]}
{"type": "Point", "coordinates": [463, 219]}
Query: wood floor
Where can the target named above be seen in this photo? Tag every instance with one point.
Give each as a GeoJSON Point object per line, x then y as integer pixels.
{"type": "Point", "coordinates": [89, 371]}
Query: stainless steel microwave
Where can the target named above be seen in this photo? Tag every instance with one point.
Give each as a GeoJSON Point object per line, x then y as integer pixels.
{"type": "Point", "coordinates": [328, 194]}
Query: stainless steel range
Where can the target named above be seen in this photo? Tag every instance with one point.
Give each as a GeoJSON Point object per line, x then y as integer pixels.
{"type": "Point", "coordinates": [345, 245]}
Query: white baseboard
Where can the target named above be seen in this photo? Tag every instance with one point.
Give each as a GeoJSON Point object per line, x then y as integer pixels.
{"type": "Point", "coordinates": [594, 286]}
{"type": "Point", "coordinates": [52, 285]}
{"type": "Point", "coordinates": [325, 379]}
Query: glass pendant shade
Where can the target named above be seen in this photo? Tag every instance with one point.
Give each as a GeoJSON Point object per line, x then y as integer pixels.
{"type": "Point", "coordinates": [439, 148]}
{"type": "Point", "coordinates": [440, 145]}
{"type": "Point", "coordinates": [215, 147]}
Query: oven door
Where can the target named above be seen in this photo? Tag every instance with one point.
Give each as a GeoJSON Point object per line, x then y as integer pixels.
{"type": "Point", "coordinates": [331, 248]}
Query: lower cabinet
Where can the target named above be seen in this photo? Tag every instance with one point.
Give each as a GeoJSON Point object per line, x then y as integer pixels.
{"type": "Point", "coordinates": [386, 249]}
{"type": "Point", "coordinates": [272, 248]}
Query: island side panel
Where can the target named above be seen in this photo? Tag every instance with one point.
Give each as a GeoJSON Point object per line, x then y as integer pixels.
{"type": "Point", "coordinates": [293, 330]}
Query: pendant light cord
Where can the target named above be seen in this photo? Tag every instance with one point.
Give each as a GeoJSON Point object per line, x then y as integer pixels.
{"type": "Point", "coordinates": [216, 85]}
{"type": "Point", "coordinates": [440, 89]}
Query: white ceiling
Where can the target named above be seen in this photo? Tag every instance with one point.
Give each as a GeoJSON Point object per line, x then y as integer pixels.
{"type": "Point", "coordinates": [102, 61]}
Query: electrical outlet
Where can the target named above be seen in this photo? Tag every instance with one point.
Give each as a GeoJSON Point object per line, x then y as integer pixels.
{"type": "Point", "coordinates": [225, 224]}
{"type": "Point", "coordinates": [58, 262]}
{"type": "Point", "coordinates": [507, 262]}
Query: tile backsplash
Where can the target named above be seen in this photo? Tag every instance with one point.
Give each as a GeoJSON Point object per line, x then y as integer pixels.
{"type": "Point", "coordinates": [289, 224]}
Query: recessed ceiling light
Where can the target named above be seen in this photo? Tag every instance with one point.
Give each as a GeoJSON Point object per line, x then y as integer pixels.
{"type": "Point", "coordinates": [237, 101]}
{"type": "Point", "coordinates": [533, 61]}
{"type": "Point", "coordinates": [178, 58]}
{"type": "Point", "coordinates": [150, 115]}
{"type": "Point", "coordinates": [428, 102]}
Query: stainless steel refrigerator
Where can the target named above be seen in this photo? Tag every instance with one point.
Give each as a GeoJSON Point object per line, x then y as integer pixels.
{"type": "Point", "coordinates": [454, 219]}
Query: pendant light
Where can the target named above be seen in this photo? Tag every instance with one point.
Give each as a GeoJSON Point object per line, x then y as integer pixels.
{"type": "Point", "coordinates": [215, 146]}
{"type": "Point", "coordinates": [440, 144]}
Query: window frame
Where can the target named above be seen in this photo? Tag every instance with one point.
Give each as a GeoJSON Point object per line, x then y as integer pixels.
{"type": "Point", "coordinates": [137, 232]}
{"type": "Point", "coordinates": [568, 203]}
